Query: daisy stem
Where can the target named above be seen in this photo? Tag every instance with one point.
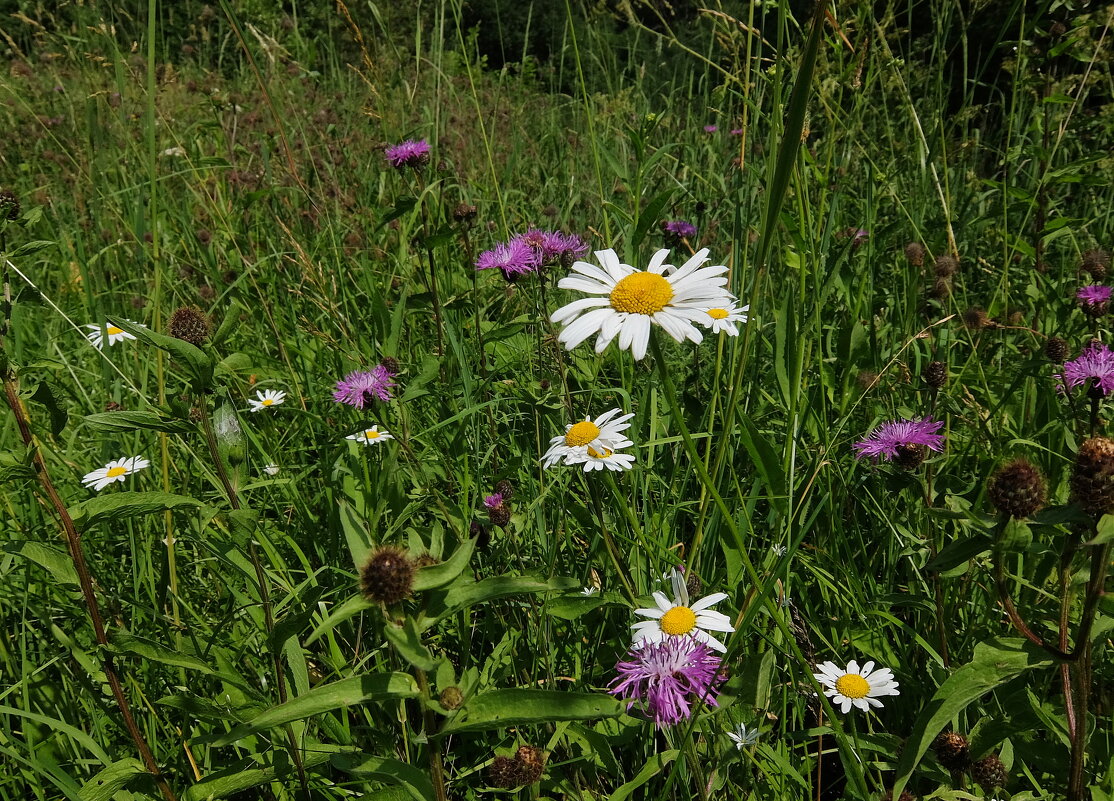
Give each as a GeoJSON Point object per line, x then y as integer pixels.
{"type": "Point", "coordinates": [612, 551]}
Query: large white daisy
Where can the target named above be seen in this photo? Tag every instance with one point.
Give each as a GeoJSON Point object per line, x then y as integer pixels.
{"type": "Point", "coordinates": [628, 300]}
{"type": "Point", "coordinates": [266, 399]}
{"type": "Point", "coordinates": [611, 458]}
{"type": "Point", "coordinates": [116, 470]}
{"type": "Point", "coordinates": [96, 333]}
{"type": "Point", "coordinates": [856, 686]}
{"type": "Point", "coordinates": [678, 618]}
{"type": "Point", "coordinates": [725, 318]}
{"type": "Point", "coordinates": [603, 434]}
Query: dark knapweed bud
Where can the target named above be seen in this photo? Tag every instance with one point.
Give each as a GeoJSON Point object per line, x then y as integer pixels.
{"type": "Point", "coordinates": [388, 576]}
{"type": "Point", "coordinates": [905, 796]}
{"type": "Point", "coordinates": [945, 266]}
{"type": "Point", "coordinates": [693, 584]}
{"type": "Point", "coordinates": [941, 288]}
{"type": "Point", "coordinates": [1096, 262]}
{"type": "Point", "coordinates": [505, 488]}
{"type": "Point", "coordinates": [915, 253]}
{"type": "Point", "coordinates": [9, 205]}
{"type": "Point", "coordinates": [391, 364]}
{"type": "Point", "coordinates": [190, 324]}
{"type": "Point", "coordinates": [426, 560]}
{"type": "Point", "coordinates": [910, 456]}
{"type": "Point", "coordinates": [503, 772]}
{"type": "Point", "coordinates": [204, 236]}
{"type": "Point", "coordinates": [113, 406]}
{"type": "Point", "coordinates": [989, 772]}
{"type": "Point", "coordinates": [480, 532]}
{"type": "Point", "coordinates": [1092, 479]}
{"type": "Point", "coordinates": [451, 698]}
{"type": "Point", "coordinates": [1056, 349]}
{"type": "Point", "coordinates": [531, 763]}
{"type": "Point", "coordinates": [936, 374]}
{"type": "Point", "coordinates": [464, 213]}
{"type": "Point", "coordinates": [1017, 489]}
{"type": "Point", "coordinates": [500, 515]}
{"type": "Point", "coordinates": [976, 318]}
{"type": "Point", "coordinates": [952, 751]}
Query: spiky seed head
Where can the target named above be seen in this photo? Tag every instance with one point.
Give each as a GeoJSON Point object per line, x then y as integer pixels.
{"type": "Point", "coordinates": [915, 253]}
{"type": "Point", "coordinates": [451, 698]}
{"type": "Point", "coordinates": [941, 288]}
{"type": "Point", "coordinates": [945, 266]}
{"type": "Point", "coordinates": [1092, 479]}
{"type": "Point", "coordinates": [936, 374]}
{"type": "Point", "coordinates": [1096, 262]}
{"type": "Point", "coordinates": [391, 364]}
{"type": "Point", "coordinates": [952, 751]}
{"type": "Point", "coordinates": [910, 456]}
{"type": "Point", "coordinates": [505, 488]}
{"type": "Point", "coordinates": [500, 515]}
{"type": "Point", "coordinates": [976, 318]}
{"type": "Point", "coordinates": [867, 380]}
{"type": "Point", "coordinates": [1017, 489]}
{"type": "Point", "coordinates": [531, 763]}
{"type": "Point", "coordinates": [426, 560]}
{"type": "Point", "coordinates": [1056, 349]}
{"type": "Point", "coordinates": [989, 772]}
{"type": "Point", "coordinates": [503, 772]}
{"type": "Point", "coordinates": [9, 205]}
{"type": "Point", "coordinates": [190, 324]}
{"type": "Point", "coordinates": [464, 213]}
{"type": "Point", "coordinates": [388, 576]}
{"type": "Point", "coordinates": [693, 584]}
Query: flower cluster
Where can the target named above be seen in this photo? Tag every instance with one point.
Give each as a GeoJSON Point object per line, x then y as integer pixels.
{"type": "Point", "coordinates": [528, 252]}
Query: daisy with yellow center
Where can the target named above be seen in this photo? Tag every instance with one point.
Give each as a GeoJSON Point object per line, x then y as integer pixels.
{"type": "Point", "coordinates": [266, 399]}
{"type": "Point", "coordinates": [626, 301]}
{"type": "Point", "coordinates": [97, 333]}
{"type": "Point", "coordinates": [611, 458]}
{"type": "Point", "coordinates": [602, 434]}
{"type": "Point", "coordinates": [679, 618]}
{"type": "Point", "coordinates": [725, 319]}
{"type": "Point", "coordinates": [370, 436]}
{"type": "Point", "coordinates": [116, 470]}
{"type": "Point", "coordinates": [855, 686]}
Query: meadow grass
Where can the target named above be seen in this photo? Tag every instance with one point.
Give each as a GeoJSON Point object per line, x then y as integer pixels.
{"type": "Point", "coordinates": [908, 217]}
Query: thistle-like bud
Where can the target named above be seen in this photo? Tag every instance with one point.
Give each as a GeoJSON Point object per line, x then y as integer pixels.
{"type": "Point", "coordinates": [1017, 489]}
{"type": "Point", "coordinates": [1096, 262]}
{"type": "Point", "coordinates": [190, 324]}
{"type": "Point", "coordinates": [503, 772]}
{"type": "Point", "coordinates": [936, 374]}
{"type": "Point", "coordinates": [451, 698]}
{"type": "Point", "coordinates": [952, 751]}
{"type": "Point", "coordinates": [464, 213]}
{"type": "Point", "coordinates": [500, 515]}
{"type": "Point", "coordinates": [905, 796]}
{"type": "Point", "coordinates": [505, 488]}
{"type": "Point", "coordinates": [391, 364]}
{"type": "Point", "coordinates": [1056, 349]}
{"type": "Point", "coordinates": [388, 576]}
{"type": "Point", "coordinates": [941, 288]}
{"type": "Point", "coordinates": [976, 318]}
{"type": "Point", "coordinates": [915, 253]}
{"type": "Point", "coordinates": [989, 772]}
{"type": "Point", "coordinates": [1092, 479]}
{"type": "Point", "coordinates": [531, 762]}
{"type": "Point", "coordinates": [945, 266]}
{"type": "Point", "coordinates": [693, 584]}
{"type": "Point", "coordinates": [9, 205]}
{"type": "Point", "coordinates": [426, 560]}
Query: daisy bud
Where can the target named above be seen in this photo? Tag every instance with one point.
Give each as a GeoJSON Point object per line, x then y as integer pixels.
{"type": "Point", "coordinates": [1095, 262]}
{"type": "Point", "coordinates": [1017, 489]}
{"type": "Point", "coordinates": [451, 698]}
{"type": "Point", "coordinates": [388, 576]}
{"type": "Point", "coordinates": [915, 253]}
{"type": "Point", "coordinates": [9, 205]}
{"type": "Point", "coordinates": [531, 763]}
{"type": "Point", "coordinates": [952, 751]}
{"type": "Point", "coordinates": [1092, 479]}
{"type": "Point", "coordinates": [945, 266]}
{"type": "Point", "coordinates": [989, 772]}
{"type": "Point", "coordinates": [936, 374]}
{"type": "Point", "coordinates": [190, 324]}
{"type": "Point", "coordinates": [1056, 349]}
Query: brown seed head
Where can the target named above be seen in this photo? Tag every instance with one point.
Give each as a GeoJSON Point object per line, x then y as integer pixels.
{"type": "Point", "coordinates": [500, 515]}
{"type": "Point", "coordinates": [945, 266]}
{"type": "Point", "coordinates": [9, 205]}
{"type": "Point", "coordinates": [941, 288]}
{"type": "Point", "coordinates": [505, 488]}
{"type": "Point", "coordinates": [190, 324]}
{"type": "Point", "coordinates": [1096, 262]}
{"type": "Point", "coordinates": [464, 213]}
{"type": "Point", "coordinates": [915, 253]}
{"type": "Point", "coordinates": [952, 750]}
{"type": "Point", "coordinates": [388, 576]}
{"type": "Point", "coordinates": [531, 763]}
{"type": "Point", "coordinates": [989, 772]}
{"type": "Point", "coordinates": [976, 318]}
{"type": "Point", "coordinates": [503, 772]}
{"type": "Point", "coordinates": [391, 364]}
{"type": "Point", "coordinates": [936, 374]}
{"type": "Point", "coordinates": [1017, 489]}
{"type": "Point", "coordinates": [451, 698]}
{"type": "Point", "coordinates": [1056, 349]}
{"type": "Point", "coordinates": [1092, 479]}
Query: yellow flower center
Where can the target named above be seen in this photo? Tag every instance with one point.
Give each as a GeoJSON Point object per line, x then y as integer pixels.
{"type": "Point", "coordinates": [268, 401]}
{"type": "Point", "coordinates": [597, 455]}
{"type": "Point", "coordinates": [113, 330]}
{"type": "Point", "coordinates": [581, 434]}
{"type": "Point", "coordinates": [641, 293]}
{"type": "Point", "coordinates": [371, 435]}
{"type": "Point", "coordinates": [116, 471]}
{"type": "Point", "coordinates": [718, 314]}
{"type": "Point", "coordinates": [678, 620]}
{"type": "Point", "coordinates": [852, 685]}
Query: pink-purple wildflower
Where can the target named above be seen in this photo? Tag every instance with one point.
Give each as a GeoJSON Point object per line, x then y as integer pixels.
{"type": "Point", "coordinates": [494, 501]}
{"type": "Point", "coordinates": [513, 258]}
{"type": "Point", "coordinates": [677, 230]}
{"type": "Point", "coordinates": [1094, 295]}
{"type": "Point", "coordinates": [711, 128]}
{"type": "Point", "coordinates": [411, 153]}
{"type": "Point", "coordinates": [361, 388]}
{"type": "Point", "coordinates": [1094, 367]}
{"type": "Point", "coordinates": [668, 678]}
{"type": "Point", "coordinates": [552, 247]}
{"type": "Point", "coordinates": [886, 440]}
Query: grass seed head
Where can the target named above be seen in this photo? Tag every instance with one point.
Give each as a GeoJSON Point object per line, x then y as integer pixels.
{"type": "Point", "coordinates": [388, 576]}
{"type": "Point", "coordinates": [1017, 489]}
{"type": "Point", "coordinates": [1092, 479]}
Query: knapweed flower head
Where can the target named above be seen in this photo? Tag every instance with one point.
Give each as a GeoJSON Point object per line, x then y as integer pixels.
{"type": "Point", "coordinates": [601, 435]}
{"type": "Point", "coordinates": [1094, 298]}
{"type": "Point", "coordinates": [669, 678]}
{"type": "Point", "coordinates": [97, 333]}
{"type": "Point", "coordinates": [677, 230]}
{"type": "Point", "coordinates": [411, 153]}
{"type": "Point", "coordinates": [901, 440]}
{"type": "Point", "coordinates": [670, 620]}
{"type": "Point", "coordinates": [628, 301]}
{"type": "Point", "coordinates": [552, 247]}
{"type": "Point", "coordinates": [512, 258]}
{"type": "Point", "coordinates": [855, 686]}
{"type": "Point", "coordinates": [266, 399]}
{"type": "Point", "coordinates": [1093, 368]}
{"type": "Point", "coordinates": [725, 319]}
{"type": "Point", "coordinates": [711, 128]}
{"type": "Point", "coordinates": [116, 470]}
{"type": "Point", "coordinates": [361, 388]}
{"type": "Point", "coordinates": [494, 500]}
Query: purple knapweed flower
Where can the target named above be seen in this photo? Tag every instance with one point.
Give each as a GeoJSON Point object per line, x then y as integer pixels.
{"type": "Point", "coordinates": [513, 258]}
{"type": "Point", "coordinates": [676, 230]}
{"type": "Point", "coordinates": [410, 153]}
{"type": "Point", "coordinates": [711, 128]}
{"type": "Point", "coordinates": [1094, 367]}
{"type": "Point", "coordinates": [668, 678]}
{"type": "Point", "coordinates": [493, 501]}
{"type": "Point", "coordinates": [361, 388]}
{"type": "Point", "coordinates": [736, 131]}
{"type": "Point", "coordinates": [552, 247]}
{"type": "Point", "coordinates": [886, 440]}
{"type": "Point", "coordinates": [1095, 296]}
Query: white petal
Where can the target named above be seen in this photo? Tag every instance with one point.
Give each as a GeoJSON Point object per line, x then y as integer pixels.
{"type": "Point", "coordinates": [853, 667]}
{"type": "Point", "coordinates": [697, 258]}
{"type": "Point", "coordinates": [657, 261]}
{"type": "Point", "coordinates": [710, 641]}
{"type": "Point", "coordinates": [718, 623]}
{"type": "Point", "coordinates": [585, 285]}
{"type": "Point", "coordinates": [592, 271]}
{"type": "Point", "coordinates": [641, 338]}
{"type": "Point", "coordinates": [649, 612]}
{"type": "Point", "coordinates": [709, 600]}
{"type": "Point", "coordinates": [583, 327]}
{"type": "Point", "coordinates": [610, 262]}
{"type": "Point", "coordinates": [845, 705]}
{"type": "Point", "coordinates": [664, 604]}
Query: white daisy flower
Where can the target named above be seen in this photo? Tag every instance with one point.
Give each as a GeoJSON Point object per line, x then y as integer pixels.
{"type": "Point", "coordinates": [370, 436]}
{"type": "Point", "coordinates": [725, 318]}
{"type": "Point", "coordinates": [610, 458]}
{"type": "Point", "coordinates": [588, 592]}
{"type": "Point", "coordinates": [603, 433]}
{"type": "Point", "coordinates": [743, 736]}
{"type": "Point", "coordinates": [271, 469]}
{"type": "Point", "coordinates": [96, 334]}
{"type": "Point", "coordinates": [267, 399]}
{"type": "Point", "coordinates": [779, 550]}
{"type": "Point", "coordinates": [630, 300]}
{"type": "Point", "coordinates": [678, 618]}
{"type": "Point", "coordinates": [855, 686]}
{"type": "Point", "coordinates": [116, 470]}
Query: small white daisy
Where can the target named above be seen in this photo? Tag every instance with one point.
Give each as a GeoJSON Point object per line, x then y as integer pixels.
{"type": "Point", "coordinates": [628, 301]}
{"type": "Point", "coordinates": [610, 458]}
{"type": "Point", "coordinates": [267, 399]}
{"type": "Point", "coordinates": [743, 736]}
{"type": "Point", "coordinates": [855, 686]}
{"type": "Point", "coordinates": [370, 436]}
{"type": "Point", "coordinates": [725, 318]}
{"type": "Point", "coordinates": [678, 618]}
{"type": "Point", "coordinates": [116, 470]}
{"type": "Point", "coordinates": [96, 334]}
{"type": "Point", "coordinates": [588, 592]}
{"type": "Point", "coordinates": [779, 550]}
{"type": "Point", "coordinates": [603, 433]}
{"type": "Point", "coordinates": [271, 469]}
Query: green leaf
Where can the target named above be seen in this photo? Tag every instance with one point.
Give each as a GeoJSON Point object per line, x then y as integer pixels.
{"type": "Point", "coordinates": [570, 607]}
{"type": "Point", "coordinates": [112, 779]}
{"type": "Point", "coordinates": [654, 765]}
{"type": "Point", "coordinates": [30, 248]}
{"type": "Point", "coordinates": [55, 560]}
{"type": "Point", "coordinates": [408, 642]}
{"type": "Point", "coordinates": [651, 215]}
{"type": "Point", "coordinates": [765, 458]}
{"type": "Point", "coordinates": [337, 695]}
{"type": "Point", "coordinates": [469, 593]}
{"type": "Point", "coordinates": [428, 578]}
{"type": "Point", "coordinates": [960, 551]}
{"type": "Point", "coordinates": [413, 780]}
{"type": "Point", "coordinates": [1104, 531]}
{"type": "Point", "coordinates": [138, 421]}
{"type": "Point", "coordinates": [349, 609]}
{"type": "Point", "coordinates": [246, 773]}
{"type": "Point", "coordinates": [107, 508]}
{"type": "Point", "coordinates": [514, 707]}
{"type": "Point", "coordinates": [996, 661]}
{"type": "Point", "coordinates": [156, 652]}
{"type": "Point", "coordinates": [58, 416]}
{"type": "Point", "coordinates": [1016, 537]}
{"type": "Point", "coordinates": [192, 358]}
